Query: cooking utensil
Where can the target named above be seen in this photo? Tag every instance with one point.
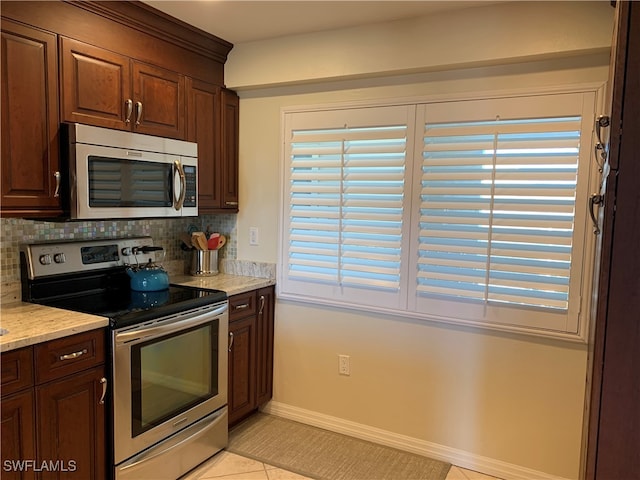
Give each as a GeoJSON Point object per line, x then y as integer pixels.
{"type": "Point", "coordinates": [199, 241]}
{"type": "Point", "coordinates": [213, 241]}
{"type": "Point", "coordinates": [221, 241]}
{"type": "Point", "coordinates": [186, 239]}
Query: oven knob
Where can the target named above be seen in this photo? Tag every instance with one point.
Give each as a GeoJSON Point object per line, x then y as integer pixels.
{"type": "Point", "coordinates": [59, 258]}
{"type": "Point", "coordinates": [45, 259]}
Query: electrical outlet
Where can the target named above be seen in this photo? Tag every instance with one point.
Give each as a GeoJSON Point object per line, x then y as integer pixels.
{"type": "Point", "coordinates": [344, 365]}
{"type": "Point", "coordinates": [254, 236]}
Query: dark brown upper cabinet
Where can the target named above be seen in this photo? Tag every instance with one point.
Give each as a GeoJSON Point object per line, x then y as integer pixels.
{"type": "Point", "coordinates": [30, 157]}
{"type": "Point", "coordinates": [106, 89]}
{"type": "Point", "coordinates": [203, 127]}
{"type": "Point", "coordinates": [213, 124]}
{"type": "Point", "coordinates": [120, 65]}
{"type": "Point", "coordinates": [229, 149]}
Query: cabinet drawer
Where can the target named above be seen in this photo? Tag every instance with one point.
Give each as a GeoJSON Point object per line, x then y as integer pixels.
{"type": "Point", "coordinates": [242, 305]}
{"type": "Point", "coordinates": [17, 370]}
{"type": "Point", "coordinates": [67, 355]}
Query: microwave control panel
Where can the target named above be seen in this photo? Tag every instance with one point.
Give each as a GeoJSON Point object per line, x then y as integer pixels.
{"type": "Point", "coordinates": [191, 181]}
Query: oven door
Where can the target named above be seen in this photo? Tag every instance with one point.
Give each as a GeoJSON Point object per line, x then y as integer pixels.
{"type": "Point", "coordinates": [167, 375]}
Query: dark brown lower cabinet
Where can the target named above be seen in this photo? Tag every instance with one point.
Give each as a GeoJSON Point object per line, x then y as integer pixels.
{"type": "Point", "coordinates": [18, 434]}
{"type": "Point", "coordinates": [264, 345]}
{"type": "Point", "coordinates": [56, 420]}
{"type": "Point", "coordinates": [71, 429]}
{"type": "Point", "coordinates": [242, 371]}
{"type": "Point", "coordinates": [251, 326]}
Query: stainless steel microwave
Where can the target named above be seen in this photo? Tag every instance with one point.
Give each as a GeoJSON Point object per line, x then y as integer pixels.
{"type": "Point", "coordinates": [117, 174]}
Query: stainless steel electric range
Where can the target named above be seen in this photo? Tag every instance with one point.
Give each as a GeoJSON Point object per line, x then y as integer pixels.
{"type": "Point", "coordinates": [168, 362]}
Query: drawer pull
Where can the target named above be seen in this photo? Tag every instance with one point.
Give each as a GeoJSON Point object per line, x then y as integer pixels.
{"type": "Point", "coordinates": [231, 337]}
{"type": "Point", "coordinates": [261, 304]}
{"type": "Point", "coordinates": [71, 356]}
{"type": "Point", "coordinates": [242, 306]}
{"type": "Point", "coordinates": [103, 381]}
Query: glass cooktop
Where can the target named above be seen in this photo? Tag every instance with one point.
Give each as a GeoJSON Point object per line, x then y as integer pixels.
{"type": "Point", "coordinates": [125, 307]}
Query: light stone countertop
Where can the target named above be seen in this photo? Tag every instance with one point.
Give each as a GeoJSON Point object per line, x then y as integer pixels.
{"type": "Point", "coordinates": [232, 284]}
{"type": "Point", "coordinates": [28, 323]}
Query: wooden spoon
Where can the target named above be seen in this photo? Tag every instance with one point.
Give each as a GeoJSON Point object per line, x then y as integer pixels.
{"type": "Point", "coordinates": [199, 240]}
{"type": "Point", "coordinates": [186, 239]}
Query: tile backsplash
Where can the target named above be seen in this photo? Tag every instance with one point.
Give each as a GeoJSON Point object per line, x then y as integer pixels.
{"type": "Point", "coordinates": [165, 233]}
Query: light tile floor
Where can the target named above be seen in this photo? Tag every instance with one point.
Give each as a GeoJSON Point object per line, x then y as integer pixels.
{"type": "Point", "coordinates": [229, 466]}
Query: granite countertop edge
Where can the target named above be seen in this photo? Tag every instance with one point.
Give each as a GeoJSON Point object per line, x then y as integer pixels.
{"type": "Point", "coordinates": [28, 324]}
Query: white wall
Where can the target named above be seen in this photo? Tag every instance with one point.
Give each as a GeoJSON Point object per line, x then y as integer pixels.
{"type": "Point", "coordinates": [504, 403]}
{"type": "Point", "coordinates": [485, 35]}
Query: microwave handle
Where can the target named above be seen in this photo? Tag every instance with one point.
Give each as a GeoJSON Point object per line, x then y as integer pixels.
{"type": "Point", "coordinates": [177, 204]}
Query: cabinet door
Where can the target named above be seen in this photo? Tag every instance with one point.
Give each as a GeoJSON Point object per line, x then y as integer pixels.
{"type": "Point", "coordinates": [95, 86]}
{"type": "Point", "coordinates": [203, 127]}
{"type": "Point", "coordinates": [229, 144]}
{"type": "Point", "coordinates": [30, 158]}
{"type": "Point", "coordinates": [18, 435]}
{"type": "Point", "coordinates": [265, 327]}
{"type": "Point", "coordinates": [71, 425]}
{"type": "Point", "coordinates": [17, 370]}
{"type": "Point", "coordinates": [242, 372]}
{"type": "Point", "coordinates": [159, 101]}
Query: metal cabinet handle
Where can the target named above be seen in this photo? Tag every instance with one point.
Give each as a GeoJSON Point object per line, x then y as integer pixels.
{"type": "Point", "coordinates": [595, 199]}
{"type": "Point", "coordinates": [262, 299]}
{"type": "Point", "coordinates": [241, 307]}
{"type": "Point", "coordinates": [103, 381]}
{"type": "Point", "coordinates": [71, 356]}
{"type": "Point", "coordinates": [129, 104]}
{"type": "Point", "coordinates": [58, 177]}
{"type": "Point", "coordinates": [233, 204]}
{"type": "Point", "coordinates": [602, 121]}
{"type": "Point", "coordinates": [138, 112]}
{"type": "Point", "coordinates": [601, 150]}
{"type": "Point", "coordinates": [230, 340]}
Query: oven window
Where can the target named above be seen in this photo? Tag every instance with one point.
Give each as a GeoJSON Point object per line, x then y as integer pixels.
{"type": "Point", "coordinates": [115, 182]}
{"type": "Point", "coordinates": [173, 373]}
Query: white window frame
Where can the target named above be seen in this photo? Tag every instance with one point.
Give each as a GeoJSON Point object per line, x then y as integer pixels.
{"type": "Point", "coordinates": [571, 326]}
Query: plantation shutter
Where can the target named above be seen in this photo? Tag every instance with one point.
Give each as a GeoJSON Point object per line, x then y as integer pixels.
{"type": "Point", "coordinates": [471, 211]}
{"type": "Point", "coordinates": [346, 192]}
{"type": "Point", "coordinates": [497, 211]}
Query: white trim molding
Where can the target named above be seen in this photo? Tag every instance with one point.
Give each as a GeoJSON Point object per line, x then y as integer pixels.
{"type": "Point", "coordinates": [460, 458]}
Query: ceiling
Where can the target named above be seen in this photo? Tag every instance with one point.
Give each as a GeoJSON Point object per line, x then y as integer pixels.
{"type": "Point", "coordinates": [240, 21]}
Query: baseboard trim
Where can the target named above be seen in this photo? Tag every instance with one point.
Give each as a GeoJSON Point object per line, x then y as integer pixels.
{"type": "Point", "coordinates": [461, 458]}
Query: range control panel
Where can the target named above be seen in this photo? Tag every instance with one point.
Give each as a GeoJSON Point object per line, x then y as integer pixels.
{"type": "Point", "coordinates": [45, 259]}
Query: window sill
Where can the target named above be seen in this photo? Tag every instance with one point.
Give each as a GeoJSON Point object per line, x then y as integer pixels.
{"type": "Point", "coordinates": [575, 338]}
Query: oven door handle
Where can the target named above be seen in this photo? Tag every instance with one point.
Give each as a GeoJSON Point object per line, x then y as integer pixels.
{"type": "Point", "coordinates": [144, 333]}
